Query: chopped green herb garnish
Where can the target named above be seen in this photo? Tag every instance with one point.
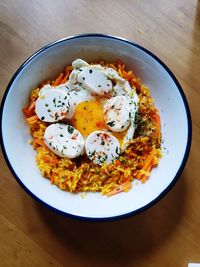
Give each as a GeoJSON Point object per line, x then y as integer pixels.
{"type": "Point", "coordinates": [123, 160]}
{"type": "Point", "coordinates": [102, 159]}
{"type": "Point", "coordinates": [91, 154]}
{"type": "Point", "coordinates": [70, 129]}
{"type": "Point", "coordinates": [137, 117]}
{"type": "Point", "coordinates": [117, 150]}
{"type": "Point", "coordinates": [56, 116]}
{"type": "Point", "coordinates": [111, 123]}
{"type": "Point", "coordinates": [102, 142]}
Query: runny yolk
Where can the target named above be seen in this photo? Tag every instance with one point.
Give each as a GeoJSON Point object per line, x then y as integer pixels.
{"type": "Point", "coordinates": [120, 136]}
{"type": "Point", "coordinates": [88, 117]}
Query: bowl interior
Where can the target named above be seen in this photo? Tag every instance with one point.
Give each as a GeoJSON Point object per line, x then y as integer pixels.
{"type": "Point", "coordinates": [46, 65]}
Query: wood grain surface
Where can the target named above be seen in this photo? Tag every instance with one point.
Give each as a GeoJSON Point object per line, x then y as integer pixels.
{"type": "Point", "coordinates": [168, 234]}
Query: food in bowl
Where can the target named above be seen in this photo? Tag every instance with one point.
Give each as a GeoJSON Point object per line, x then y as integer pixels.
{"type": "Point", "coordinates": [95, 128]}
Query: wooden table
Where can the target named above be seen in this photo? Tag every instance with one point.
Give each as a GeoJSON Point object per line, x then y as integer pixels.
{"type": "Point", "coordinates": [168, 234]}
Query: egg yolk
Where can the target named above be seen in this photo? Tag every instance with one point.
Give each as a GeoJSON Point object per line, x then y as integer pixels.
{"type": "Point", "coordinates": [88, 117]}
{"type": "Point", "coordinates": [120, 136]}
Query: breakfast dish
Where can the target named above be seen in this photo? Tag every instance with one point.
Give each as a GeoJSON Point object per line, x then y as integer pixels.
{"type": "Point", "coordinates": [95, 128]}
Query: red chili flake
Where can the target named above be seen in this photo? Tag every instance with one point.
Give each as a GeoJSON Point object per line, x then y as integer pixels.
{"type": "Point", "coordinates": [100, 124]}
{"type": "Point", "coordinates": [63, 113]}
{"type": "Point", "coordinates": [74, 136]}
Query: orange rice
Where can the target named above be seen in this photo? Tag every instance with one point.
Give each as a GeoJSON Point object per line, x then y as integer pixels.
{"type": "Point", "coordinates": [82, 175]}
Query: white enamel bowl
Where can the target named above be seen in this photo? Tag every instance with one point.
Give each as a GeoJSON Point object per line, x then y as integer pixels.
{"type": "Point", "coordinates": [169, 99]}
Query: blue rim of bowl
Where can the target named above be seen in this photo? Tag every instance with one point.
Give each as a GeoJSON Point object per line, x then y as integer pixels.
{"type": "Point", "coordinates": [187, 150]}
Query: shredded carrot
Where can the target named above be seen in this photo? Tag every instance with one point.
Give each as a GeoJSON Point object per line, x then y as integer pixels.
{"type": "Point", "coordinates": [39, 142]}
{"type": "Point", "coordinates": [147, 164]}
{"type": "Point", "coordinates": [32, 122]}
{"type": "Point", "coordinates": [32, 106]}
{"type": "Point", "coordinates": [158, 126]}
{"type": "Point", "coordinates": [33, 119]}
{"type": "Point", "coordinates": [136, 82]}
{"type": "Point", "coordinates": [121, 69]}
{"type": "Point", "coordinates": [50, 159]}
{"type": "Point", "coordinates": [68, 71]}
{"type": "Point", "coordinates": [26, 112]}
{"type": "Point", "coordinates": [29, 111]}
{"type": "Point", "coordinates": [65, 78]}
{"type": "Point", "coordinates": [121, 188]}
{"type": "Point", "coordinates": [51, 177]}
{"type": "Point", "coordinates": [127, 75]}
{"type": "Point", "coordinates": [149, 160]}
{"type": "Point", "coordinates": [145, 176]}
{"type": "Point", "coordinates": [117, 162]}
{"type": "Point", "coordinates": [58, 80]}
